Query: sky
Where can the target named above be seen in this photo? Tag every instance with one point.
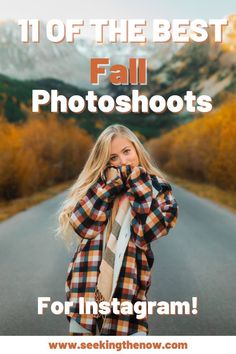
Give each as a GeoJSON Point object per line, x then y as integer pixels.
{"type": "Point", "coordinates": [88, 9]}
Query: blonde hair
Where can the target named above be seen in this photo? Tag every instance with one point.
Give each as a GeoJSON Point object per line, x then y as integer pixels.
{"type": "Point", "coordinates": [96, 163]}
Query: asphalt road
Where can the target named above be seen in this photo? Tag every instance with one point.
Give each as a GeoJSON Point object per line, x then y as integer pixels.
{"type": "Point", "coordinates": [196, 259]}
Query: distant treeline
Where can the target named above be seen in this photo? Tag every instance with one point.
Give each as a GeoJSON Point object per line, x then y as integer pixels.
{"type": "Point", "coordinates": [46, 150]}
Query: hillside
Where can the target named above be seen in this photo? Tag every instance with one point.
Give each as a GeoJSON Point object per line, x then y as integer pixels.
{"type": "Point", "coordinates": [68, 62]}
{"type": "Point", "coordinates": [205, 68]}
{"type": "Point", "coordinates": [15, 106]}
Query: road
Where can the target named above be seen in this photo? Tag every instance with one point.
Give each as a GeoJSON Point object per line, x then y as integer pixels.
{"type": "Point", "coordinates": [196, 259]}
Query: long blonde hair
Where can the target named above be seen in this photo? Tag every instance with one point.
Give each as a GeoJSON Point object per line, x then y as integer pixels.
{"type": "Point", "coordinates": [96, 163]}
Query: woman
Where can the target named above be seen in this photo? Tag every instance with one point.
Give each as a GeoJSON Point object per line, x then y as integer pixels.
{"type": "Point", "coordinates": [119, 204]}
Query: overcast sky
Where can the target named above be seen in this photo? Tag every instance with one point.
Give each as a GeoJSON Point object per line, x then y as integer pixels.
{"type": "Point", "coordinates": [87, 9]}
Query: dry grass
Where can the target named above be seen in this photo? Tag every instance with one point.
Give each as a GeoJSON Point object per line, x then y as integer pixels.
{"type": "Point", "coordinates": [8, 209]}
{"type": "Point", "coordinates": [215, 194]}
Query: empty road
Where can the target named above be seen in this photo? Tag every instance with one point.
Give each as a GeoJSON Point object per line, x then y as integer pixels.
{"type": "Point", "coordinates": [196, 259]}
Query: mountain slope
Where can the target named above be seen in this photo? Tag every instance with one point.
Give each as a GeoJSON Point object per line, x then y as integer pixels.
{"type": "Point", "coordinates": [205, 69]}
{"type": "Point", "coordinates": [68, 62]}
{"type": "Point", "coordinates": [16, 106]}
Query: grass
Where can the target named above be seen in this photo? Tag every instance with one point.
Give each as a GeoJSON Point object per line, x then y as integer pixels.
{"type": "Point", "coordinates": [222, 197]}
{"type": "Point", "coordinates": [217, 195]}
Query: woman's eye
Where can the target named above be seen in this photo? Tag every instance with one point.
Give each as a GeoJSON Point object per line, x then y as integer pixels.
{"type": "Point", "coordinates": [113, 158]}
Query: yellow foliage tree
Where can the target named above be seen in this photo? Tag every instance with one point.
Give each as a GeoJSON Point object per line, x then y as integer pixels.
{"type": "Point", "coordinates": [202, 150]}
{"type": "Point", "coordinates": [43, 151]}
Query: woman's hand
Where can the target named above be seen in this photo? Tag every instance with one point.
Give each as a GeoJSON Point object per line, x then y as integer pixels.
{"type": "Point", "coordinates": [122, 172]}
{"type": "Point", "coordinates": [112, 173]}
{"type": "Point", "coordinates": [125, 171]}
{"type": "Point", "coordinates": [137, 172]}
{"type": "Point", "coordinates": [113, 178]}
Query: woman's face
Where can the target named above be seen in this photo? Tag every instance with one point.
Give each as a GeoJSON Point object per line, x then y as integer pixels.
{"type": "Point", "coordinates": [123, 152]}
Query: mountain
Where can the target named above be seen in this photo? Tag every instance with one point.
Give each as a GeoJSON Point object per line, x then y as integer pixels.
{"type": "Point", "coordinates": [68, 62]}
{"type": "Point", "coordinates": [229, 36]}
{"type": "Point", "coordinates": [119, 53]}
{"type": "Point", "coordinates": [32, 61]}
{"type": "Point", "coordinates": [207, 68]}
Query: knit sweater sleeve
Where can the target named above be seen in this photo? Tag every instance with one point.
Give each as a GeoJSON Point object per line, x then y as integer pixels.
{"type": "Point", "coordinates": [91, 213]}
{"type": "Point", "coordinates": [152, 217]}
